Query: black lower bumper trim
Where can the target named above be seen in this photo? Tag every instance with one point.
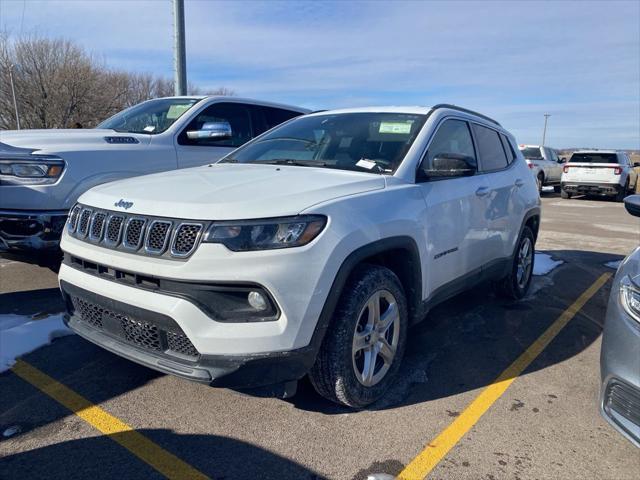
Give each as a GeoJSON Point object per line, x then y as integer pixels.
{"type": "Point", "coordinates": [232, 371]}
{"type": "Point", "coordinates": [592, 188]}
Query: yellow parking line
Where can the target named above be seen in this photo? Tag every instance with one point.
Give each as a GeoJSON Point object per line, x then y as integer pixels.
{"type": "Point", "coordinates": [149, 452]}
{"type": "Point", "coordinates": [436, 450]}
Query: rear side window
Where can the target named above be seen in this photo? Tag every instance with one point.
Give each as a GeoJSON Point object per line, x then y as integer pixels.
{"type": "Point", "coordinates": [511, 155]}
{"type": "Point", "coordinates": [453, 136]}
{"type": "Point", "coordinates": [594, 158]}
{"type": "Point", "coordinates": [490, 150]}
{"type": "Point", "coordinates": [276, 116]}
{"type": "Point", "coordinates": [531, 153]}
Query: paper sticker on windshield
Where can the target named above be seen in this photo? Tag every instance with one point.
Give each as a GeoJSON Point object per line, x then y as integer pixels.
{"type": "Point", "coordinates": [176, 110]}
{"type": "Point", "coordinates": [368, 164]}
{"type": "Point", "coordinates": [149, 128]}
{"type": "Point", "coordinates": [402, 128]}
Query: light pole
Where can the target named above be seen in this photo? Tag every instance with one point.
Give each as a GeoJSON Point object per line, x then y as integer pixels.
{"type": "Point", "coordinates": [179, 55]}
{"type": "Point", "coordinates": [13, 91]}
{"type": "Point", "coordinates": [544, 132]}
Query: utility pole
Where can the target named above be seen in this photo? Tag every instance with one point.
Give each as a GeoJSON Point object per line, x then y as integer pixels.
{"type": "Point", "coordinates": [544, 132]}
{"type": "Point", "coordinates": [179, 55]}
{"type": "Point", "coordinates": [13, 91]}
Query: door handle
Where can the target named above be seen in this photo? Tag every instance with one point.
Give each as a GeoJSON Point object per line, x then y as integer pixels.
{"type": "Point", "coordinates": [519, 182]}
{"type": "Point", "coordinates": [482, 191]}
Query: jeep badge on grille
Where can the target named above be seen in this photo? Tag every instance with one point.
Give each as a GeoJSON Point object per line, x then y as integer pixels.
{"type": "Point", "coordinates": [122, 203]}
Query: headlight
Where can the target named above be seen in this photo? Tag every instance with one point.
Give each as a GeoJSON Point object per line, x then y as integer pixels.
{"type": "Point", "coordinates": [630, 298]}
{"type": "Point", "coordinates": [267, 234]}
{"type": "Point", "coordinates": [30, 172]}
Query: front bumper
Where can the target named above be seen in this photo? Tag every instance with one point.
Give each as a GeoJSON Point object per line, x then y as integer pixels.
{"type": "Point", "coordinates": [30, 233]}
{"type": "Point", "coordinates": [620, 370]}
{"type": "Point", "coordinates": [592, 188]}
{"type": "Point", "coordinates": [157, 341]}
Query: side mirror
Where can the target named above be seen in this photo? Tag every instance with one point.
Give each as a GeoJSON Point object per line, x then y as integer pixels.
{"type": "Point", "coordinates": [562, 160]}
{"type": "Point", "coordinates": [212, 131]}
{"type": "Point", "coordinates": [445, 165]}
{"type": "Point", "coordinates": [636, 164]}
{"type": "Point", "coordinates": [632, 204]}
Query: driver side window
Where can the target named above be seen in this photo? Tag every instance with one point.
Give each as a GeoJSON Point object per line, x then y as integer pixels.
{"type": "Point", "coordinates": [236, 114]}
{"type": "Point", "coordinates": [452, 137]}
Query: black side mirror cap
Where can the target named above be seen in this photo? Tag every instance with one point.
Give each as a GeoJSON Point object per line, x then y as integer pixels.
{"type": "Point", "coordinates": [632, 204]}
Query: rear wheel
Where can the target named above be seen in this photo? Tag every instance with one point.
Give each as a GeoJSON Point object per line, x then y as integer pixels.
{"type": "Point", "coordinates": [540, 181]}
{"type": "Point", "coordinates": [363, 348]}
{"type": "Point", "coordinates": [623, 193]}
{"type": "Point", "coordinates": [516, 284]}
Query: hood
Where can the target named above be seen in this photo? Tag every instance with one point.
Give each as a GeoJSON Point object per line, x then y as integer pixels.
{"type": "Point", "coordinates": [231, 191]}
{"type": "Point", "coordinates": [65, 140]}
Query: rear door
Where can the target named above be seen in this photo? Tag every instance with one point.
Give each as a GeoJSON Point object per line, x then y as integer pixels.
{"type": "Point", "coordinates": [454, 221]}
{"type": "Point", "coordinates": [192, 153]}
{"type": "Point", "coordinates": [554, 166]}
{"type": "Point", "coordinates": [502, 211]}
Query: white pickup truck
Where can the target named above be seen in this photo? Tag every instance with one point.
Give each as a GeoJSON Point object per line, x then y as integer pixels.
{"type": "Point", "coordinates": [544, 164]}
{"type": "Point", "coordinates": [599, 172]}
{"type": "Point", "coordinates": [43, 172]}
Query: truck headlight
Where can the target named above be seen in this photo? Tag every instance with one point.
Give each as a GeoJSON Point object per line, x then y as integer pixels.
{"type": "Point", "coordinates": [43, 171]}
{"type": "Point", "coordinates": [267, 234]}
{"type": "Point", "coordinates": [630, 298]}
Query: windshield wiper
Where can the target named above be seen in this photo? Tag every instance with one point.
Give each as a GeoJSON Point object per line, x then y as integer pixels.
{"type": "Point", "coordinates": [292, 161]}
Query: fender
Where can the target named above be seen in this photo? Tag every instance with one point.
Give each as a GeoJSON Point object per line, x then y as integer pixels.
{"type": "Point", "coordinates": [414, 296]}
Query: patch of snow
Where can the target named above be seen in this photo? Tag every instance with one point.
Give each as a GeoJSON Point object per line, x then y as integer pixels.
{"type": "Point", "coordinates": [544, 264]}
{"type": "Point", "coordinates": [20, 335]}
{"type": "Point", "coordinates": [613, 265]}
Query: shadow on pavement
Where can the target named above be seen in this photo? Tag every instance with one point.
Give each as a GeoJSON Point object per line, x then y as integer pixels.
{"type": "Point", "coordinates": [102, 458]}
{"type": "Point", "coordinates": [46, 300]}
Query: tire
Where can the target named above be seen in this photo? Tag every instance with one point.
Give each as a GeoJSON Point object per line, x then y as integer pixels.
{"type": "Point", "coordinates": [540, 181]}
{"type": "Point", "coordinates": [564, 194]}
{"type": "Point", "coordinates": [513, 286]}
{"type": "Point", "coordinates": [623, 193]}
{"type": "Point", "coordinates": [340, 371]}
{"type": "Point", "coordinates": [557, 189]}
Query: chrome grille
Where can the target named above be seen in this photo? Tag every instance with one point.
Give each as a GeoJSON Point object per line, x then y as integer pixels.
{"type": "Point", "coordinates": [97, 226]}
{"type": "Point", "coordinates": [114, 230]}
{"type": "Point", "coordinates": [83, 223]}
{"type": "Point", "coordinates": [73, 218]}
{"type": "Point", "coordinates": [133, 233]}
{"type": "Point", "coordinates": [624, 400]}
{"type": "Point", "coordinates": [186, 237]}
{"type": "Point", "coordinates": [157, 237]}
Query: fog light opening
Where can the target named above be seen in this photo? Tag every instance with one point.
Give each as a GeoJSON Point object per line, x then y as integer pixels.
{"type": "Point", "coordinates": [257, 301]}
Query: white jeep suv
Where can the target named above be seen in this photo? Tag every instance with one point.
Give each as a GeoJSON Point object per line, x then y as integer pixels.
{"type": "Point", "coordinates": [599, 172]}
{"type": "Point", "coordinates": [310, 250]}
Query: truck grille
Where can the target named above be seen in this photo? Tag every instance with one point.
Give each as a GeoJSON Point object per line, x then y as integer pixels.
{"type": "Point", "coordinates": [157, 236]}
{"type": "Point", "coordinates": [140, 333]}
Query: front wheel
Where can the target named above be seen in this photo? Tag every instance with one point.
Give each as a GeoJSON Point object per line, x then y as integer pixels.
{"type": "Point", "coordinates": [363, 348]}
{"type": "Point", "coordinates": [565, 194]}
{"type": "Point", "coordinates": [516, 284]}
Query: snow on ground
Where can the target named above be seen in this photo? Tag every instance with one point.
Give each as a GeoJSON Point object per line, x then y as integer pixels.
{"type": "Point", "coordinates": [21, 334]}
{"type": "Point", "coordinates": [545, 264]}
{"type": "Point", "coordinates": [613, 265]}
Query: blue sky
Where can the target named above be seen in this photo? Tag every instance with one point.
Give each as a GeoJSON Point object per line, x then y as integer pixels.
{"type": "Point", "coordinates": [578, 61]}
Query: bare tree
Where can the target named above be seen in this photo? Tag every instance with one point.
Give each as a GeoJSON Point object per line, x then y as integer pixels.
{"type": "Point", "coordinates": [58, 84]}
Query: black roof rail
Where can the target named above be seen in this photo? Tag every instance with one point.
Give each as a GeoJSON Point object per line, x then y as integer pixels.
{"type": "Point", "coordinates": [465, 110]}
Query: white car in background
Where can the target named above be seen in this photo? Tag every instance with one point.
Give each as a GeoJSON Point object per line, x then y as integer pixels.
{"type": "Point", "coordinates": [544, 164]}
{"type": "Point", "coordinates": [599, 172]}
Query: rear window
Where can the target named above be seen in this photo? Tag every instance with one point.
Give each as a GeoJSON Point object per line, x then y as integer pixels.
{"type": "Point", "coordinates": [594, 158]}
{"type": "Point", "coordinates": [531, 152]}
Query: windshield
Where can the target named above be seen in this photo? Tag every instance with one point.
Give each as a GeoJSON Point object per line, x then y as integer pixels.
{"type": "Point", "coordinates": [594, 158]}
{"type": "Point", "coordinates": [531, 152]}
{"type": "Point", "coordinates": [371, 142]}
{"type": "Point", "coordinates": [153, 116]}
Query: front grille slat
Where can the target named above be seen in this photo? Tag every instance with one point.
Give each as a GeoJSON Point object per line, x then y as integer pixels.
{"type": "Point", "coordinates": [157, 237]}
{"type": "Point", "coordinates": [140, 333]}
{"type": "Point", "coordinates": [624, 400]}
{"type": "Point", "coordinates": [142, 235]}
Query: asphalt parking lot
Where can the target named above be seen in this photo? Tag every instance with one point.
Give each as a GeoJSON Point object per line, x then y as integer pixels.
{"type": "Point", "coordinates": [545, 425]}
